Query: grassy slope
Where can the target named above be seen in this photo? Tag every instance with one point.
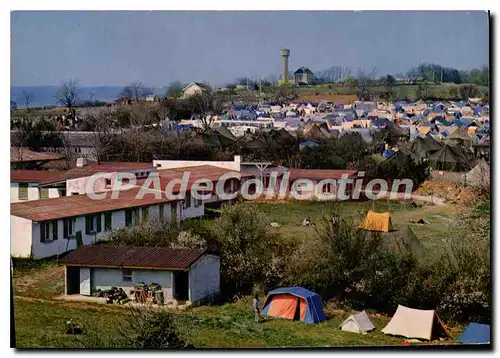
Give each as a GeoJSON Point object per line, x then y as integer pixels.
{"type": "Point", "coordinates": [40, 319]}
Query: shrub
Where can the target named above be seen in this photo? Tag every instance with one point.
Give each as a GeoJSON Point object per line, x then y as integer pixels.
{"type": "Point", "coordinates": [251, 253]}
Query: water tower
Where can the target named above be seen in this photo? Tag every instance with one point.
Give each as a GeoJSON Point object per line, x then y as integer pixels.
{"type": "Point", "coordinates": [285, 53]}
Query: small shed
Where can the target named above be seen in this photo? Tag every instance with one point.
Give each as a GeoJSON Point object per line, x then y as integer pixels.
{"type": "Point", "coordinates": [183, 274]}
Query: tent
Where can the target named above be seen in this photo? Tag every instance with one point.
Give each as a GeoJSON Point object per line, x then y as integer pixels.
{"type": "Point", "coordinates": [414, 323]}
{"type": "Point", "coordinates": [479, 175]}
{"type": "Point", "coordinates": [358, 323]}
{"type": "Point", "coordinates": [295, 303]}
{"type": "Point", "coordinates": [377, 222]}
{"type": "Point", "coordinates": [402, 241]}
{"type": "Point", "coordinates": [448, 159]}
{"type": "Point", "coordinates": [475, 333]}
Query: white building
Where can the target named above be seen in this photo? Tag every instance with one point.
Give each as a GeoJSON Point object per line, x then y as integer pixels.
{"type": "Point", "coordinates": [41, 184]}
{"type": "Point", "coordinates": [184, 274]}
{"type": "Point", "coordinates": [45, 228]}
{"type": "Point", "coordinates": [194, 88]}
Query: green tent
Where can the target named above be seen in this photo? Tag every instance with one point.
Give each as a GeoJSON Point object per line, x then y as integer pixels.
{"type": "Point", "coordinates": [421, 148]}
{"type": "Point", "coordinates": [431, 143]}
{"type": "Point", "coordinates": [226, 133]}
{"type": "Point", "coordinates": [449, 158]}
{"type": "Point", "coordinates": [402, 241]}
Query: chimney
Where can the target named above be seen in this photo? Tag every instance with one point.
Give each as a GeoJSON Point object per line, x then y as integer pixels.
{"type": "Point", "coordinates": [81, 162]}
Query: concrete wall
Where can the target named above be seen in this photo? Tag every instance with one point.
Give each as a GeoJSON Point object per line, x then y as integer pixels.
{"type": "Point", "coordinates": [105, 278]}
{"type": "Point", "coordinates": [20, 236]}
{"type": "Point", "coordinates": [204, 278]}
{"type": "Point", "coordinates": [170, 164]}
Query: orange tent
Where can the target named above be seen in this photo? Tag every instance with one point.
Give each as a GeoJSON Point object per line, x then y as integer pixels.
{"type": "Point", "coordinates": [377, 222]}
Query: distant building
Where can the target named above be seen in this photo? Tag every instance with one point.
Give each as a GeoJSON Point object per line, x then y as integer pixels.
{"type": "Point", "coordinates": [194, 88]}
{"type": "Point", "coordinates": [303, 76]}
{"type": "Point", "coordinates": [150, 98]}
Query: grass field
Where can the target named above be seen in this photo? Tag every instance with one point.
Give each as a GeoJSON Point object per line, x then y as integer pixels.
{"type": "Point", "coordinates": [40, 317]}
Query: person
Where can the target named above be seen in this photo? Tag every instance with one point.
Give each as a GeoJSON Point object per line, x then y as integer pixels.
{"type": "Point", "coordinates": [306, 222]}
{"type": "Point", "coordinates": [256, 307]}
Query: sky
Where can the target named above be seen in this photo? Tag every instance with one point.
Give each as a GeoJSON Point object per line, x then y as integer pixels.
{"type": "Point", "coordinates": [104, 48]}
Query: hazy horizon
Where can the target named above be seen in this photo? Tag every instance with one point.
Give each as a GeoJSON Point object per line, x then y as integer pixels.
{"type": "Point", "coordinates": [114, 48]}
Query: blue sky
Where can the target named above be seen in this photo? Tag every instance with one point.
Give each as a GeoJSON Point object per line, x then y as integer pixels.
{"type": "Point", "coordinates": [115, 48]}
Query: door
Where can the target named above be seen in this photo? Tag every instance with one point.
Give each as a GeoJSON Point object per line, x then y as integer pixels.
{"type": "Point", "coordinates": [84, 281]}
{"type": "Point", "coordinates": [181, 285]}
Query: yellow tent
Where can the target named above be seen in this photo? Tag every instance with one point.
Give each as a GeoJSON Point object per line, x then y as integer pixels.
{"type": "Point", "coordinates": [377, 222]}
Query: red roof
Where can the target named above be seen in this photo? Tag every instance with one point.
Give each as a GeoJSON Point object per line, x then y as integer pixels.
{"type": "Point", "coordinates": [320, 174]}
{"type": "Point", "coordinates": [196, 172]}
{"type": "Point", "coordinates": [42, 176]}
{"type": "Point", "coordinates": [127, 256]}
{"type": "Point", "coordinates": [25, 155]}
{"type": "Point", "coordinates": [77, 205]}
{"type": "Point", "coordinates": [35, 176]}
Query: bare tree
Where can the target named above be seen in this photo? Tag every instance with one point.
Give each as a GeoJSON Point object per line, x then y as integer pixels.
{"type": "Point", "coordinates": [68, 94]}
{"type": "Point", "coordinates": [136, 91]}
{"type": "Point", "coordinates": [207, 105]}
{"type": "Point", "coordinates": [28, 97]}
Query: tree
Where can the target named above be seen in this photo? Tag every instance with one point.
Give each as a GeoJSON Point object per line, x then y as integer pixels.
{"type": "Point", "coordinates": [135, 91]}
{"type": "Point", "coordinates": [28, 97]}
{"type": "Point", "coordinates": [207, 105]}
{"type": "Point", "coordinates": [422, 90]}
{"type": "Point", "coordinates": [68, 94]}
{"type": "Point", "coordinates": [174, 90]}
{"type": "Point", "coordinates": [468, 91]}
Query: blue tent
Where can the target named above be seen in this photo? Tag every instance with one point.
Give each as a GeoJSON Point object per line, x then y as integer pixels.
{"type": "Point", "coordinates": [475, 333]}
{"type": "Point", "coordinates": [294, 303]}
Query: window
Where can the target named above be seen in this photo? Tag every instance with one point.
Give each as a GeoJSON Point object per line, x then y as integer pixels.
{"type": "Point", "coordinates": [128, 217]}
{"type": "Point", "coordinates": [44, 231]}
{"type": "Point", "coordinates": [126, 274]}
{"type": "Point", "coordinates": [89, 224]}
{"type": "Point", "coordinates": [108, 182]}
{"type": "Point", "coordinates": [197, 203]}
{"type": "Point", "coordinates": [62, 192]}
{"type": "Point", "coordinates": [68, 225]}
{"type": "Point", "coordinates": [54, 230]}
{"type": "Point", "coordinates": [98, 220]}
{"type": "Point", "coordinates": [137, 218]}
{"type": "Point", "coordinates": [23, 191]}
{"type": "Point", "coordinates": [44, 193]}
{"type": "Point", "coordinates": [161, 211]}
{"type": "Point", "coordinates": [187, 201]}
{"type": "Point", "coordinates": [173, 217]}
{"type": "Point", "coordinates": [145, 213]}
{"type": "Point", "coordinates": [108, 221]}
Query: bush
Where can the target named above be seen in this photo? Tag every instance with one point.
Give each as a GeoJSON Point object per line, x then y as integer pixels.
{"type": "Point", "coordinates": [251, 253]}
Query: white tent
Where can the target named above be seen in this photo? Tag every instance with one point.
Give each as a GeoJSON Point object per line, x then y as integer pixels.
{"type": "Point", "coordinates": [358, 323]}
{"type": "Point", "coordinates": [479, 175]}
{"type": "Point", "coordinates": [414, 323]}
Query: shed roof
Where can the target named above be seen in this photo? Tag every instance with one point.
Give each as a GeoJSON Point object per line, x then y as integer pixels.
{"type": "Point", "coordinates": [129, 256]}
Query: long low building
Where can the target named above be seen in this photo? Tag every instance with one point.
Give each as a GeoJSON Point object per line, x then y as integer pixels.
{"type": "Point", "coordinates": [46, 228]}
{"type": "Point", "coordinates": [183, 274]}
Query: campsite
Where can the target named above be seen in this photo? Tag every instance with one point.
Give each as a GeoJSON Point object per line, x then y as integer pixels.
{"type": "Point", "coordinates": [37, 291]}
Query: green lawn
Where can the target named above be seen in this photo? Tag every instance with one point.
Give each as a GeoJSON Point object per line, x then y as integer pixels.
{"type": "Point", "coordinates": [40, 318]}
{"type": "Point", "coordinates": [42, 325]}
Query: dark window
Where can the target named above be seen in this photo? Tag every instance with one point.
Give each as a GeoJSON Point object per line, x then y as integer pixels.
{"type": "Point", "coordinates": [108, 221]}
{"type": "Point", "coordinates": [137, 218]}
{"type": "Point", "coordinates": [108, 182]}
{"type": "Point", "coordinates": [145, 213]}
{"type": "Point", "coordinates": [98, 222]}
{"type": "Point", "coordinates": [128, 217]}
{"type": "Point", "coordinates": [43, 235]}
{"type": "Point", "coordinates": [23, 191]}
{"type": "Point", "coordinates": [127, 274]}
{"type": "Point", "coordinates": [187, 201]}
{"type": "Point", "coordinates": [54, 230]}
{"type": "Point", "coordinates": [161, 211]}
{"type": "Point", "coordinates": [89, 224]}
{"type": "Point", "coordinates": [173, 212]}
{"type": "Point", "coordinates": [68, 227]}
